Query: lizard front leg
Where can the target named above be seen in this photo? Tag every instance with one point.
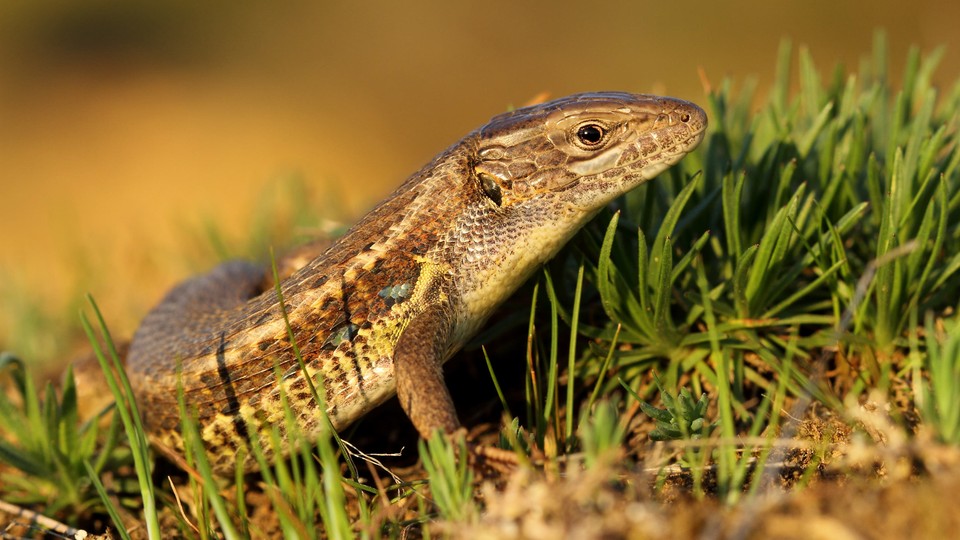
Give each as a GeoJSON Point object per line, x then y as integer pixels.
{"type": "Point", "coordinates": [416, 362]}
{"type": "Point", "coordinates": [424, 395]}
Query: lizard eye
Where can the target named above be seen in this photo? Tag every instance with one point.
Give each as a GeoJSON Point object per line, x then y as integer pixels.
{"type": "Point", "coordinates": [491, 188]}
{"type": "Point", "coordinates": [590, 134]}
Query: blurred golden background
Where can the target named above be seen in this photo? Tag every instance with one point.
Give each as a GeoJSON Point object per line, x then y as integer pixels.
{"type": "Point", "coordinates": [125, 127]}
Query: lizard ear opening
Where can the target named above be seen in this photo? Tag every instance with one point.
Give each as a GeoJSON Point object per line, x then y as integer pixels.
{"type": "Point", "coordinates": [491, 188]}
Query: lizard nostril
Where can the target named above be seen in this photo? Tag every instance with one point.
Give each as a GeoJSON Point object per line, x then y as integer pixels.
{"type": "Point", "coordinates": [684, 118]}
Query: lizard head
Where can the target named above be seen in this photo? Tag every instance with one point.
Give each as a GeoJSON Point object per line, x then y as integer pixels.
{"type": "Point", "coordinates": [540, 173]}
{"type": "Point", "coordinates": [584, 149]}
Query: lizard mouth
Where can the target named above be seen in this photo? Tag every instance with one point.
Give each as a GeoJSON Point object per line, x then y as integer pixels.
{"type": "Point", "coordinates": [658, 150]}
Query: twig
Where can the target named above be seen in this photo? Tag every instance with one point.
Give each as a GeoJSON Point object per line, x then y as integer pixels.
{"type": "Point", "coordinates": [34, 519]}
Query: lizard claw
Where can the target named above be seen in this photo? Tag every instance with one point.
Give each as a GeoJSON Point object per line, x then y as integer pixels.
{"type": "Point", "coordinates": [486, 460]}
{"type": "Point", "coordinates": [489, 461]}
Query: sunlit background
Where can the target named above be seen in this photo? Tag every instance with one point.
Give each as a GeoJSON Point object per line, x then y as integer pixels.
{"type": "Point", "coordinates": [125, 128]}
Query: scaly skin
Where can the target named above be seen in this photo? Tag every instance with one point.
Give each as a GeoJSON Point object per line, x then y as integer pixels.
{"type": "Point", "coordinates": [384, 307]}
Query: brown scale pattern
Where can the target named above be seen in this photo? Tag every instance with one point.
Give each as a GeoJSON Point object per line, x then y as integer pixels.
{"type": "Point", "coordinates": [458, 247]}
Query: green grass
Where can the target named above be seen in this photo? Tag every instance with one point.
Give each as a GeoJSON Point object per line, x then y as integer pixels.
{"type": "Point", "coordinates": [807, 253]}
{"type": "Point", "coordinates": [47, 442]}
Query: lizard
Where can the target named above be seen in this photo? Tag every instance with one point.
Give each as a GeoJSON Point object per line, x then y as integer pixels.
{"type": "Point", "coordinates": [379, 311]}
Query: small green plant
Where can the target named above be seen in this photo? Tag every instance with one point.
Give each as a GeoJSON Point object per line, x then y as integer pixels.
{"type": "Point", "coordinates": [682, 416]}
{"type": "Point", "coordinates": [601, 433]}
{"type": "Point", "coordinates": [451, 479]}
{"type": "Point", "coordinates": [48, 445]}
{"type": "Point", "coordinates": [940, 397]}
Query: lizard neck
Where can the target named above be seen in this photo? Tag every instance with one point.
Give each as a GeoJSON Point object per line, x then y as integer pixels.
{"type": "Point", "coordinates": [495, 250]}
